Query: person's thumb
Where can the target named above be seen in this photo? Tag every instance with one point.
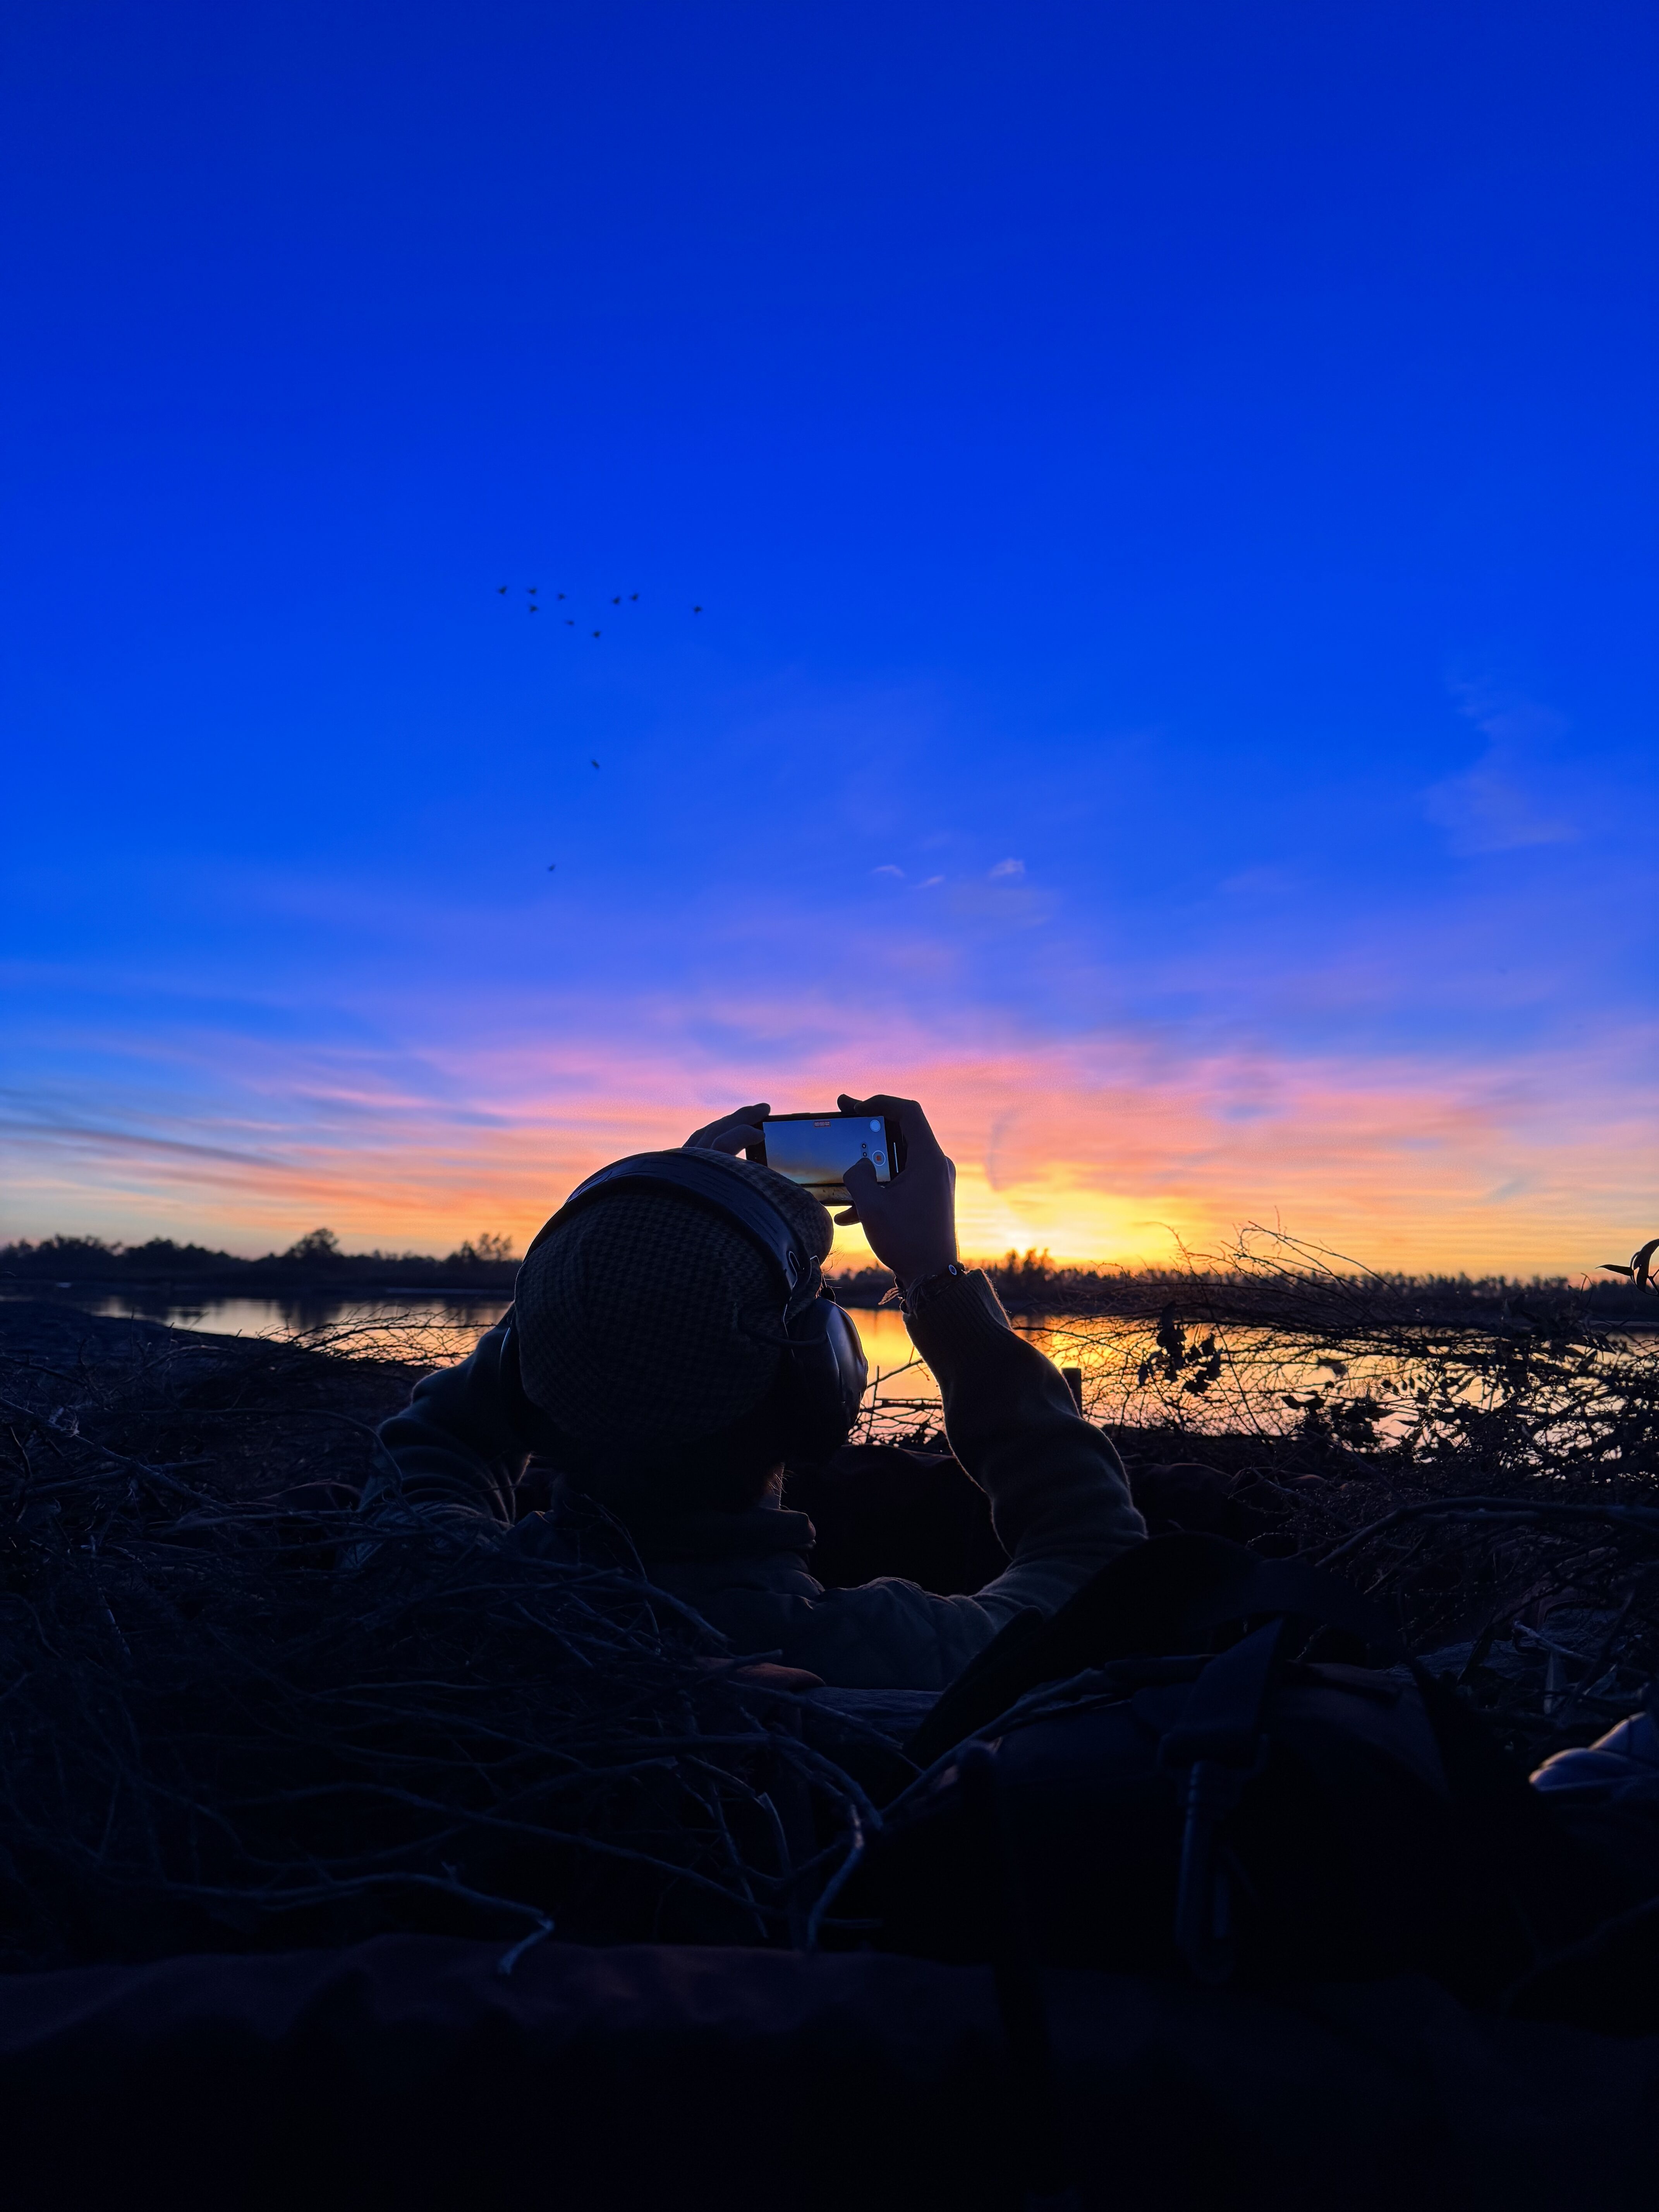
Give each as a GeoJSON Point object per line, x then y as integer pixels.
{"type": "Point", "coordinates": [861, 1187]}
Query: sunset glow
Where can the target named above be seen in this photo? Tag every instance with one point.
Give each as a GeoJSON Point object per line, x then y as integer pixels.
{"type": "Point", "coordinates": [1111, 593]}
{"type": "Point", "coordinates": [1097, 1151]}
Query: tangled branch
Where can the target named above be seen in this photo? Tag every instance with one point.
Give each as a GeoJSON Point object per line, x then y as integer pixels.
{"type": "Point", "coordinates": [223, 1721]}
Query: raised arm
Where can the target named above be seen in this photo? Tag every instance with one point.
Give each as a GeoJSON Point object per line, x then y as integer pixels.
{"type": "Point", "coordinates": [1059, 1498]}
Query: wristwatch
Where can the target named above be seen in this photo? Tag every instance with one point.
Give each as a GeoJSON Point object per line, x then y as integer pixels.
{"type": "Point", "coordinates": [914, 1296]}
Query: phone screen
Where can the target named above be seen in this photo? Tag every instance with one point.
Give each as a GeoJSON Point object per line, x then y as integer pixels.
{"type": "Point", "coordinates": [817, 1149]}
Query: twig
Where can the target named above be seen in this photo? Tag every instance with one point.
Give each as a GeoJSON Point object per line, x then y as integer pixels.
{"type": "Point", "coordinates": [1497, 1509]}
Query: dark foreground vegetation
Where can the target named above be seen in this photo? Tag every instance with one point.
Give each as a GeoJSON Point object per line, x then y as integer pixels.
{"type": "Point", "coordinates": [229, 1726]}
{"type": "Point", "coordinates": [226, 1724]}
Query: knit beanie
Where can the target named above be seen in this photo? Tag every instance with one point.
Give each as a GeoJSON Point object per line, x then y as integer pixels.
{"type": "Point", "coordinates": [647, 1319]}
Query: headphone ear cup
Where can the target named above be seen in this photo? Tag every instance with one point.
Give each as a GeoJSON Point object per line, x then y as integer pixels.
{"type": "Point", "coordinates": [829, 1367]}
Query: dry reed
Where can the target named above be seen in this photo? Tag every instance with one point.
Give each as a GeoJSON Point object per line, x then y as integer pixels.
{"type": "Point", "coordinates": [222, 1723]}
{"type": "Point", "coordinates": [225, 1723]}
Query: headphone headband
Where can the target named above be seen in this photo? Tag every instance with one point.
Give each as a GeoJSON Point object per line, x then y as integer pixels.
{"type": "Point", "coordinates": [693, 1175]}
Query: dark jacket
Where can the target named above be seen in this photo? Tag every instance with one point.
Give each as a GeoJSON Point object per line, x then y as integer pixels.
{"type": "Point", "coordinates": [1059, 1498]}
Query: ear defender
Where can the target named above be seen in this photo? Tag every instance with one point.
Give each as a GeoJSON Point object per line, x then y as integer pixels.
{"type": "Point", "coordinates": [830, 1363]}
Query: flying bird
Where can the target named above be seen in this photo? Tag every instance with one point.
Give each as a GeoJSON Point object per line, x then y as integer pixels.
{"type": "Point", "coordinates": [593, 763]}
{"type": "Point", "coordinates": [501, 589]}
{"type": "Point", "coordinates": [560, 595]}
{"type": "Point", "coordinates": [568, 623]}
{"type": "Point", "coordinates": [633, 595]}
{"type": "Point", "coordinates": [534, 609]}
{"type": "Point", "coordinates": [615, 602]}
{"type": "Point", "coordinates": [552, 868]}
{"type": "Point", "coordinates": [596, 632]}
{"type": "Point", "coordinates": [696, 610]}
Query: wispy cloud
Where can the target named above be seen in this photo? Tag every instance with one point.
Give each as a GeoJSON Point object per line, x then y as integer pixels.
{"type": "Point", "coordinates": [1514, 794]}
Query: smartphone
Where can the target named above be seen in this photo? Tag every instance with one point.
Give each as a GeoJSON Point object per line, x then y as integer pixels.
{"type": "Point", "coordinates": [816, 1149]}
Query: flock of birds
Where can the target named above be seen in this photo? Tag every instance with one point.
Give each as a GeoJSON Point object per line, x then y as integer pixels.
{"type": "Point", "coordinates": [533, 595]}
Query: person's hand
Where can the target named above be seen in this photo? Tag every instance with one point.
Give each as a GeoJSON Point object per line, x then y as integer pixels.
{"type": "Point", "coordinates": [911, 1222]}
{"type": "Point", "coordinates": [732, 1133]}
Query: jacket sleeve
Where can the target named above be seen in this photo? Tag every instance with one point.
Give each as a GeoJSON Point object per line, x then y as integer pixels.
{"type": "Point", "coordinates": [453, 1451]}
{"type": "Point", "coordinates": [1060, 1501]}
{"type": "Point", "coordinates": [1059, 1497]}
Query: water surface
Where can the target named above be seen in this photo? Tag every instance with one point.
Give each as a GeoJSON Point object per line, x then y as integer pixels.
{"type": "Point", "coordinates": [1255, 1376]}
{"type": "Point", "coordinates": [428, 1329]}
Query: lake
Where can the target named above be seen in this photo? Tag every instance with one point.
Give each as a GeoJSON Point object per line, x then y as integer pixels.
{"type": "Point", "coordinates": [432, 1330]}
{"type": "Point", "coordinates": [1258, 1373]}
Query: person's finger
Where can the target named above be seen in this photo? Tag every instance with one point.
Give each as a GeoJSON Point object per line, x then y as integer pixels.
{"type": "Point", "coordinates": [913, 1123]}
{"type": "Point", "coordinates": [843, 1219]}
{"type": "Point", "coordinates": [731, 1131]}
{"type": "Point", "coordinates": [882, 1103]}
{"type": "Point", "coordinates": [726, 1133]}
{"type": "Point", "coordinates": [859, 1180]}
{"type": "Point", "coordinates": [732, 1138]}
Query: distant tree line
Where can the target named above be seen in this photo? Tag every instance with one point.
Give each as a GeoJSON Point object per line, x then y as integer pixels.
{"type": "Point", "coordinates": [1028, 1283]}
{"type": "Point", "coordinates": [1032, 1283]}
{"type": "Point", "coordinates": [486, 1263]}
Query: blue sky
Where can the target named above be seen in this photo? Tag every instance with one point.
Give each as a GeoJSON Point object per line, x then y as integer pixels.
{"type": "Point", "coordinates": [1171, 493]}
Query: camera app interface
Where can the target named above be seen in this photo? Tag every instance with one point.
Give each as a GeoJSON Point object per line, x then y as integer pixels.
{"type": "Point", "coordinates": [819, 1153]}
